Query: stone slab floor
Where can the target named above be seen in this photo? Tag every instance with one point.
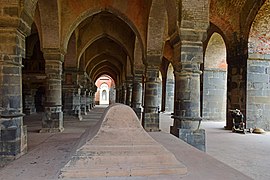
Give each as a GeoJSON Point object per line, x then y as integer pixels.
{"type": "Point", "coordinates": [229, 155]}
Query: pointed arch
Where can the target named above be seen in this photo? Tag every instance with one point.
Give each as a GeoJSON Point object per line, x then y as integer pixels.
{"type": "Point", "coordinates": [215, 79]}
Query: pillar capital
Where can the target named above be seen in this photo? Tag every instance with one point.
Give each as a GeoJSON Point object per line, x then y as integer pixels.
{"type": "Point", "coordinates": [53, 54]}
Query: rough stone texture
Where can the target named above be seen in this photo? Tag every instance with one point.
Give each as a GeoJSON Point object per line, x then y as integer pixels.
{"type": "Point", "coordinates": [214, 95]}
{"type": "Point", "coordinates": [151, 103]}
{"type": "Point", "coordinates": [119, 147]}
{"type": "Point", "coordinates": [258, 92]}
{"type": "Point", "coordinates": [129, 94]}
{"type": "Point", "coordinates": [83, 101]}
{"type": "Point", "coordinates": [72, 101]}
{"type": "Point", "coordinates": [187, 104]}
{"type": "Point", "coordinates": [215, 80]}
{"type": "Point", "coordinates": [258, 66]}
{"type": "Point", "coordinates": [137, 95]}
{"type": "Point", "coordinates": [195, 138]}
{"type": "Point", "coordinates": [169, 95]}
{"type": "Point", "coordinates": [236, 90]}
{"type": "Point", "coordinates": [52, 120]}
{"type": "Point", "coordinates": [13, 137]}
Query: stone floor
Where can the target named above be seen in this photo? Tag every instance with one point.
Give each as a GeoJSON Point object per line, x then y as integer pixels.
{"type": "Point", "coordinates": [228, 156]}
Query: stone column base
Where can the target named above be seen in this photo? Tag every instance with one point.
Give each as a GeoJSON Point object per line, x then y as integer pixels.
{"type": "Point", "coordinates": [52, 120]}
{"type": "Point", "coordinates": [150, 121]}
{"type": "Point", "coordinates": [13, 140]}
{"type": "Point", "coordinates": [196, 138]}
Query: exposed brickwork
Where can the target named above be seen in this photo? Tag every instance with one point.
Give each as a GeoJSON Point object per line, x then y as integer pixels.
{"type": "Point", "coordinates": [215, 80]}
{"type": "Point", "coordinates": [259, 38]}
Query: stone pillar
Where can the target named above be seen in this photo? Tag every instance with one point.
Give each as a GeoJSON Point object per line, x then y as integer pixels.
{"type": "Point", "coordinates": [87, 100]}
{"type": "Point", "coordinates": [72, 99]}
{"type": "Point", "coordinates": [52, 120]}
{"type": "Point", "coordinates": [238, 86]}
{"type": "Point", "coordinates": [188, 56]}
{"type": "Point", "coordinates": [94, 90]}
{"type": "Point", "coordinates": [29, 100]}
{"type": "Point", "coordinates": [118, 94]}
{"type": "Point", "coordinates": [91, 106]}
{"type": "Point", "coordinates": [129, 94]}
{"type": "Point", "coordinates": [124, 94]}
{"type": "Point", "coordinates": [159, 92]}
{"type": "Point", "coordinates": [13, 137]}
{"type": "Point", "coordinates": [83, 101]}
{"type": "Point", "coordinates": [150, 119]}
{"type": "Point", "coordinates": [137, 94]}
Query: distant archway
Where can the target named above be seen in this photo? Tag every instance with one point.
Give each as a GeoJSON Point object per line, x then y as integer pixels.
{"type": "Point", "coordinates": [215, 80]}
{"type": "Point", "coordinates": [258, 65]}
{"type": "Point", "coordinates": [105, 94]}
{"type": "Point", "coordinates": [104, 89]}
{"type": "Point", "coordinates": [169, 104]}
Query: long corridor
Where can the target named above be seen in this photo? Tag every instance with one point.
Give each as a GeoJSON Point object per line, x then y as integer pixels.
{"type": "Point", "coordinates": [48, 153]}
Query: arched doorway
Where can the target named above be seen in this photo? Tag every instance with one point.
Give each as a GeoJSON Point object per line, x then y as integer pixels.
{"type": "Point", "coordinates": [104, 97]}
{"type": "Point", "coordinates": [169, 104]}
{"type": "Point", "coordinates": [215, 80]}
{"type": "Point", "coordinates": [105, 94]}
{"type": "Point", "coordinates": [258, 71]}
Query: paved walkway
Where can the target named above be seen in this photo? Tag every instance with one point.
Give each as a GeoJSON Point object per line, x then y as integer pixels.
{"type": "Point", "coordinates": [226, 152]}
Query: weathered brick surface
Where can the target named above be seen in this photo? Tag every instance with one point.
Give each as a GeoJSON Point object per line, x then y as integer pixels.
{"type": "Point", "coordinates": [259, 40]}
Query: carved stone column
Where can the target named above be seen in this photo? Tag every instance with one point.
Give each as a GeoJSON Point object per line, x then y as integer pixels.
{"type": "Point", "coordinates": [137, 94]}
{"type": "Point", "coordinates": [151, 115]}
{"type": "Point", "coordinates": [29, 100]}
{"type": "Point", "coordinates": [13, 141]}
{"type": "Point", "coordinates": [118, 94]}
{"type": "Point", "coordinates": [124, 93]}
{"type": "Point", "coordinates": [72, 99]}
{"type": "Point", "coordinates": [83, 101]}
{"type": "Point", "coordinates": [129, 93]}
{"type": "Point", "coordinates": [87, 100]}
{"type": "Point", "coordinates": [52, 120]}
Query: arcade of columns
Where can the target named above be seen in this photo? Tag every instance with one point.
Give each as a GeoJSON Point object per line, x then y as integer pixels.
{"type": "Point", "coordinates": [77, 41]}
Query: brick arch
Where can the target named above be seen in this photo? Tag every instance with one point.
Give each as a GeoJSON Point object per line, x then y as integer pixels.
{"type": "Point", "coordinates": [101, 59]}
{"type": "Point", "coordinates": [106, 25]}
{"type": "Point", "coordinates": [97, 48]}
{"type": "Point", "coordinates": [49, 24]}
{"type": "Point", "coordinates": [156, 28]}
{"type": "Point", "coordinates": [106, 70]}
{"type": "Point", "coordinates": [81, 10]}
{"type": "Point", "coordinates": [215, 53]}
{"type": "Point", "coordinates": [171, 8]}
{"type": "Point", "coordinates": [259, 36]}
{"type": "Point", "coordinates": [102, 35]}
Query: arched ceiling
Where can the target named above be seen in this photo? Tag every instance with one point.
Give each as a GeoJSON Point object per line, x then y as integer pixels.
{"type": "Point", "coordinates": [102, 49]}
{"type": "Point", "coordinates": [234, 17]}
{"type": "Point", "coordinates": [104, 41]}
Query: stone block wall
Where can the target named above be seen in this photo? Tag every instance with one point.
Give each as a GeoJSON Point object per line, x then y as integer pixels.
{"type": "Point", "coordinates": [214, 95]}
{"type": "Point", "coordinates": [258, 94]}
{"type": "Point", "coordinates": [169, 95]}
